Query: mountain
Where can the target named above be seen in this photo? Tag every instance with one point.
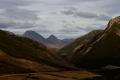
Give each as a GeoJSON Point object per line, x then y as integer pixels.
{"type": "Point", "coordinates": [68, 51]}
{"type": "Point", "coordinates": [54, 42]}
{"type": "Point", "coordinates": [52, 39]}
{"type": "Point", "coordinates": [23, 54]}
{"type": "Point", "coordinates": [100, 49]}
{"type": "Point", "coordinates": [51, 42]}
{"type": "Point", "coordinates": [35, 36]}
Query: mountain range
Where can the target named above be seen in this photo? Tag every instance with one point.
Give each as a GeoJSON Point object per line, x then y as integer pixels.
{"type": "Point", "coordinates": [94, 56]}
{"type": "Point", "coordinates": [51, 42]}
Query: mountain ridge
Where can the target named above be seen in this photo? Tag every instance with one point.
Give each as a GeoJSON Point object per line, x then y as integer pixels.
{"type": "Point", "coordinates": [52, 41]}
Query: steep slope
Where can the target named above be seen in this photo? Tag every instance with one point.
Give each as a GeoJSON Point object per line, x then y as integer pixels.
{"type": "Point", "coordinates": [20, 47]}
{"type": "Point", "coordinates": [34, 36]}
{"type": "Point", "coordinates": [69, 50]}
{"type": "Point", "coordinates": [103, 49]}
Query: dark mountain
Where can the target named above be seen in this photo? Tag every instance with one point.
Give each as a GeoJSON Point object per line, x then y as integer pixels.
{"type": "Point", "coordinates": [35, 36]}
{"type": "Point", "coordinates": [27, 55]}
{"type": "Point", "coordinates": [98, 48]}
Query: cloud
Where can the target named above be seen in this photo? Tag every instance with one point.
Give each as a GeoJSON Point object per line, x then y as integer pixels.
{"type": "Point", "coordinates": [68, 12]}
{"type": "Point", "coordinates": [85, 14]}
{"type": "Point", "coordinates": [20, 14]}
{"type": "Point", "coordinates": [104, 17]}
{"type": "Point", "coordinates": [64, 18]}
{"type": "Point", "coordinates": [13, 3]}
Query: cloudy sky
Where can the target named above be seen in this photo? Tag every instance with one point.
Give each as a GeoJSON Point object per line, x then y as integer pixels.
{"type": "Point", "coordinates": [63, 18]}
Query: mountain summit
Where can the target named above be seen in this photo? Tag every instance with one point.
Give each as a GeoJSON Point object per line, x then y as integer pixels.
{"type": "Point", "coordinates": [54, 42]}
{"type": "Point", "coordinates": [35, 36]}
{"type": "Point", "coordinates": [53, 39]}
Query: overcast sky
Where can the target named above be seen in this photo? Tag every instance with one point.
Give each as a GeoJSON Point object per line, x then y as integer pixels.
{"type": "Point", "coordinates": [63, 18]}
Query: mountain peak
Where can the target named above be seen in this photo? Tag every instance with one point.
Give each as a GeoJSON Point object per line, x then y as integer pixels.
{"type": "Point", "coordinates": [30, 32]}
{"type": "Point", "coordinates": [34, 35]}
{"type": "Point", "coordinates": [52, 37]}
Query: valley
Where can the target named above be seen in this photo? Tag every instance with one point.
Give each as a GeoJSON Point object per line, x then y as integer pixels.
{"type": "Point", "coordinates": [94, 56]}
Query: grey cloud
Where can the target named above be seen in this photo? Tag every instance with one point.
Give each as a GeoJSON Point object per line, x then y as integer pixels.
{"type": "Point", "coordinates": [85, 14]}
{"type": "Point", "coordinates": [76, 13]}
{"type": "Point", "coordinates": [68, 12]}
{"type": "Point", "coordinates": [84, 0]}
{"type": "Point", "coordinates": [22, 14]}
{"type": "Point", "coordinates": [87, 29]}
{"type": "Point", "coordinates": [4, 25]}
{"type": "Point", "coordinates": [104, 17]}
{"type": "Point", "coordinates": [82, 14]}
{"type": "Point", "coordinates": [69, 30]}
{"type": "Point", "coordinates": [12, 3]}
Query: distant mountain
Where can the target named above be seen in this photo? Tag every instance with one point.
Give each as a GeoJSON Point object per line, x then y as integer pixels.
{"type": "Point", "coordinates": [52, 41]}
{"type": "Point", "coordinates": [35, 36]}
{"type": "Point", "coordinates": [98, 48]}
